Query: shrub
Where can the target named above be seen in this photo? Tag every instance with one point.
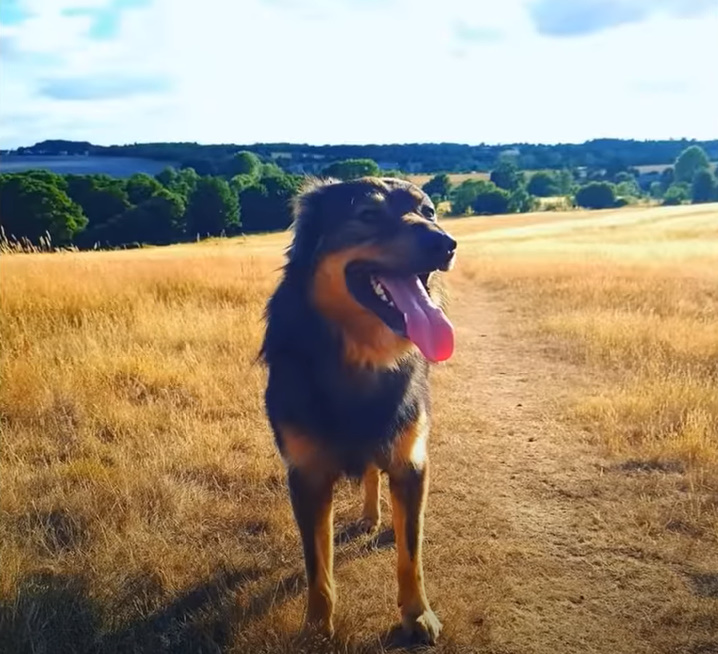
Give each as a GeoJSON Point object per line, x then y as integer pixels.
{"type": "Point", "coordinates": [596, 195]}
{"type": "Point", "coordinates": [677, 194]}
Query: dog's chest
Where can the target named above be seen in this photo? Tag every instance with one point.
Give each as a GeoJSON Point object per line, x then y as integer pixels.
{"type": "Point", "coordinates": [365, 405]}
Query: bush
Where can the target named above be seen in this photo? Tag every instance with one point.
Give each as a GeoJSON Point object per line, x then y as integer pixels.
{"type": "Point", "coordinates": [677, 194]}
{"type": "Point", "coordinates": [596, 195]}
{"type": "Point", "coordinates": [490, 200]}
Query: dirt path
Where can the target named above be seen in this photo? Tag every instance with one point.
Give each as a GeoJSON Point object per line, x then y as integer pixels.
{"type": "Point", "coordinates": [535, 544]}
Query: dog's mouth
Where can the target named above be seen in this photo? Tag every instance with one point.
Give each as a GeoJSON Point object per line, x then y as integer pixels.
{"type": "Point", "coordinates": [401, 300]}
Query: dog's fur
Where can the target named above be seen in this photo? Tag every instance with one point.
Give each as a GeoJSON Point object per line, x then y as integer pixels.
{"type": "Point", "coordinates": [346, 395]}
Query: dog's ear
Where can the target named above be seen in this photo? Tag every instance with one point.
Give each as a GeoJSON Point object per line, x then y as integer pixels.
{"type": "Point", "coordinates": [308, 221]}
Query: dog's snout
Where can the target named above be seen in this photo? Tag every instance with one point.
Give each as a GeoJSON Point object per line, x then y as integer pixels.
{"type": "Point", "coordinates": [438, 243]}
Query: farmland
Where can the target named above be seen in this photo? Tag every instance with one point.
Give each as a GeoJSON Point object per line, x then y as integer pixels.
{"type": "Point", "coordinates": [121, 167]}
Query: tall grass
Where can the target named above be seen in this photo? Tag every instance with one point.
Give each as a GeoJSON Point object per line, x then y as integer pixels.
{"type": "Point", "coordinates": [132, 428]}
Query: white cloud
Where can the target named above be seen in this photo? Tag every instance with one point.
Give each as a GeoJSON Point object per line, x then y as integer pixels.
{"type": "Point", "coordinates": [353, 71]}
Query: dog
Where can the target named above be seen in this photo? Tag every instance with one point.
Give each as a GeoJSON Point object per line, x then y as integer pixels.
{"type": "Point", "coordinates": [350, 332]}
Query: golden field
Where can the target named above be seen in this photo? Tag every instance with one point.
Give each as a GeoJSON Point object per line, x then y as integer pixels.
{"type": "Point", "coordinates": [573, 502]}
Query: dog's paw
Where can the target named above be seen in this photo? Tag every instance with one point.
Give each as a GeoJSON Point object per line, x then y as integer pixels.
{"type": "Point", "coordinates": [368, 525]}
{"type": "Point", "coordinates": [424, 627]}
{"type": "Point", "coordinates": [313, 627]}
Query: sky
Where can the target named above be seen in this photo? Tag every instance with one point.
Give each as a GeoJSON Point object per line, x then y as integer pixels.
{"type": "Point", "coordinates": [357, 71]}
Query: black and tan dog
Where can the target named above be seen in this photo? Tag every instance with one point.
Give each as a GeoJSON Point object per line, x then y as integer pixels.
{"type": "Point", "coordinates": [351, 330]}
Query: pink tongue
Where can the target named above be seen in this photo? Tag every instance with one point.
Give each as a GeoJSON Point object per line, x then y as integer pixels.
{"type": "Point", "coordinates": [427, 326]}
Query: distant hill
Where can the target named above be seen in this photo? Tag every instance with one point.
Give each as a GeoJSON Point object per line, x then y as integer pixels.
{"type": "Point", "coordinates": [414, 158]}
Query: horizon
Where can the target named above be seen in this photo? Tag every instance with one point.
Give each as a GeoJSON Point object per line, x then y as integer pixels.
{"type": "Point", "coordinates": [542, 72]}
{"type": "Point", "coordinates": [369, 144]}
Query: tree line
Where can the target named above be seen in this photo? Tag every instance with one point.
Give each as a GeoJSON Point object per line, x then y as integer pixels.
{"type": "Point", "coordinates": [510, 190]}
{"type": "Point", "coordinates": [252, 196]}
{"type": "Point", "coordinates": [415, 158]}
{"type": "Point", "coordinates": [175, 205]}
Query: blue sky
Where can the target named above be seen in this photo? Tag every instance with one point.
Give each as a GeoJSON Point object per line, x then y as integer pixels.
{"type": "Point", "coordinates": [357, 71]}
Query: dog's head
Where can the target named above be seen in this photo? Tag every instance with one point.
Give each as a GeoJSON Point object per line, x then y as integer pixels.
{"type": "Point", "coordinates": [371, 248]}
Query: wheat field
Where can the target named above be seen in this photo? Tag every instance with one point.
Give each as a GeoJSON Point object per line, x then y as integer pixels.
{"type": "Point", "coordinates": [143, 506]}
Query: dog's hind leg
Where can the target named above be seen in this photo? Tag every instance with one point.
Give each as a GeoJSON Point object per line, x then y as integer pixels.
{"type": "Point", "coordinates": [371, 515]}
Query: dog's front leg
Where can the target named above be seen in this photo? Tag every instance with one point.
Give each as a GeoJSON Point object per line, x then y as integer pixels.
{"type": "Point", "coordinates": [311, 497]}
{"type": "Point", "coordinates": [408, 485]}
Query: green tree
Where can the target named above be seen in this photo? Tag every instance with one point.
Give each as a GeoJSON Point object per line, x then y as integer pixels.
{"type": "Point", "coordinates": [689, 162]}
{"type": "Point", "coordinates": [397, 174]}
{"type": "Point", "coordinates": [213, 208]}
{"type": "Point", "coordinates": [463, 196]}
{"type": "Point", "coordinates": [266, 203]}
{"type": "Point", "coordinates": [628, 188]}
{"type": "Point", "coordinates": [677, 193]}
{"type": "Point", "coordinates": [667, 178]}
{"type": "Point", "coordinates": [31, 207]}
{"type": "Point", "coordinates": [703, 188]}
{"type": "Point", "coordinates": [490, 199]}
{"type": "Point", "coordinates": [244, 163]}
{"type": "Point", "coordinates": [159, 220]}
{"type": "Point", "coordinates": [101, 197]}
{"type": "Point", "coordinates": [184, 183]}
{"type": "Point", "coordinates": [352, 169]}
{"type": "Point", "coordinates": [596, 195]}
{"type": "Point", "coordinates": [167, 176]}
{"type": "Point", "coordinates": [521, 200]}
{"type": "Point", "coordinates": [48, 177]}
{"type": "Point", "coordinates": [141, 187]}
{"type": "Point", "coordinates": [565, 182]}
{"type": "Point", "coordinates": [656, 190]}
{"type": "Point", "coordinates": [239, 182]}
{"type": "Point", "coordinates": [507, 175]}
{"type": "Point", "coordinates": [439, 186]}
{"type": "Point", "coordinates": [543, 184]}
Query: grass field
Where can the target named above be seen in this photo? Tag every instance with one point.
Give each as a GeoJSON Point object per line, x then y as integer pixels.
{"type": "Point", "coordinates": [573, 503]}
{"type": "Point", "coordinates": [456, 178]}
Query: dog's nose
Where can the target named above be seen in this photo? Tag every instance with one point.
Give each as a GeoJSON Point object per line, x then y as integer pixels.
{"type": "Point", "coordinates": [438, 244]}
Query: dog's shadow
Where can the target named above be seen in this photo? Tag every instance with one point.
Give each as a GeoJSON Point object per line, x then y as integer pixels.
{"type": "Point", "coordinates": [354, 532]}
{"type": "Point", "coordinates": [57, 613]}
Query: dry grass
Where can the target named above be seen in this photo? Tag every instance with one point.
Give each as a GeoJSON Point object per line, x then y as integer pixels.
{"type": "Point", "coordinates": [134, 449]}
{"type": "Point", "coordinates": [456, 178]}
{"type": "Point", "coordinates": [636, 293]}
{"type": "Point", "coordinates": [143, 505]}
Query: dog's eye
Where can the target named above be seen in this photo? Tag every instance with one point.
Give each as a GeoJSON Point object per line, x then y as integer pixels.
{"type": "Point", "coordinates": [427, 211]}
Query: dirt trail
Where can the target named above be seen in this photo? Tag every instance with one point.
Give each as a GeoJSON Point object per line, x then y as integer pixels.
{"type": "Point", "coordinates": [532, 539]}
